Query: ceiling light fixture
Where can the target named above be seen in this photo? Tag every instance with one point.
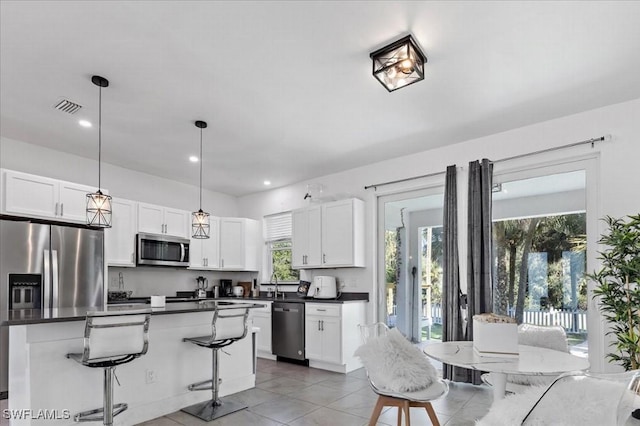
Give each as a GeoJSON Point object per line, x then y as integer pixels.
{"type": "Point", "coordinates": [399, 64]}
{"type": "Point", "coordinates": [267, 182]}
{"type": "Point", "coordinates": [200, 219]}
{"type": "Point", "coordinates": [99, 204]}
{"type": "Point", "coordinates": [84, 123]}
{"type": "Point", "coordinates": [193, 159]}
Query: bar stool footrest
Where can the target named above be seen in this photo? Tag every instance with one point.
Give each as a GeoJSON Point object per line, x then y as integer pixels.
{"type": "Point", "coordinates": [98, 414]}
{"type": "Point", "coordinates": [209, 410]}
{"type": "Point", "coordinates": [205, 385]}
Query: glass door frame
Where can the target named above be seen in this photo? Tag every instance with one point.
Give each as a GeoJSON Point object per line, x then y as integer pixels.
{"type": "Point", "coordinates": [382, 198]}
{"type": "Point", "coordinates": [524, 169]}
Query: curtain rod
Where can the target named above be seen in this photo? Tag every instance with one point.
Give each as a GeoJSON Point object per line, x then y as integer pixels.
{"type": "Point", "coordinates": [403, 180]}
{"type": "Point", "coordinates": [592, 141]}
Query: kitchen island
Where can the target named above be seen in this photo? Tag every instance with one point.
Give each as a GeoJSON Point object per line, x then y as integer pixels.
{"type": "Point", "coordinates": [42, 379]}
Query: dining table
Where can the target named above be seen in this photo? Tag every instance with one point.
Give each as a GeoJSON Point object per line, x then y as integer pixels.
{"type": "Point", "coordinates": [531, 360]}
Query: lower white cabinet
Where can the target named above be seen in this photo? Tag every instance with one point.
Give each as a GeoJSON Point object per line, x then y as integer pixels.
{"type": "Point", "coordinates": [120, 239]}
{"type": "Point", "coordinates": [332, 335]}
{"type": "Point", "coordinates": [262, 319]}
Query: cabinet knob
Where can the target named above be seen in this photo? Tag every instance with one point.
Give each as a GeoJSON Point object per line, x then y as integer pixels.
{"type": "Point", "coordinates": [324, 258]}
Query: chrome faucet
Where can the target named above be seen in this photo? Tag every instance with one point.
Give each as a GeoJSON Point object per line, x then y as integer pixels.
{"type": "Point", "coordinates": [274, 276]}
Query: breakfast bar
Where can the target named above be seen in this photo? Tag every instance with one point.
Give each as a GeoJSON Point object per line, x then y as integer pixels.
{"type": "Point", "coordinates": [46, 387]}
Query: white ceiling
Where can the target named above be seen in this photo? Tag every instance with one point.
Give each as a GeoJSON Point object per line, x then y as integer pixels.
{"type": "Point", "coordinates": [286, 87]}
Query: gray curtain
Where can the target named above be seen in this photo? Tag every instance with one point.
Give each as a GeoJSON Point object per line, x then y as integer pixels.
{"type": "Point", "coordinates": [479, 254]}
{"type": "Point", "coordinates": [451, 313]}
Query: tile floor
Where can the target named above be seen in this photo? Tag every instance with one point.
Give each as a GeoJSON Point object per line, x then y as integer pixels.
{"type": "Point", "coordinates": [288, 394]}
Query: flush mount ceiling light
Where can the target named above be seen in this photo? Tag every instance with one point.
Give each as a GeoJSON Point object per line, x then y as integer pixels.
{"type": "Point", "coordinates": [399, 64]}
{"type": "Point", "coordinates": [99, 204]}
{"type": "Point", "coordinates": [200, 219]}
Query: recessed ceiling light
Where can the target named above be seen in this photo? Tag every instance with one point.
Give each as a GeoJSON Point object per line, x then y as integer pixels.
{"type": "Point", "coordinates": [193, 159]}
{"type": "Point", "coordinates": [267, 182]}
{"type": "Point", "coordinates": [84, 123]}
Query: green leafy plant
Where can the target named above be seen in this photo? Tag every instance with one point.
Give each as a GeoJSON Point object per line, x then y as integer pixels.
{"type": "Point", "coordinates": [618, 288]}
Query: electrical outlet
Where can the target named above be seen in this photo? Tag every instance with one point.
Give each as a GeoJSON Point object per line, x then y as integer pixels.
{"type": "Point", "coordinates": [150, 376]}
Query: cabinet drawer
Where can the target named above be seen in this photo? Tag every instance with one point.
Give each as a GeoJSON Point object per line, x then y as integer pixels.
{"type": "Point", "coordinates": [324, 310]}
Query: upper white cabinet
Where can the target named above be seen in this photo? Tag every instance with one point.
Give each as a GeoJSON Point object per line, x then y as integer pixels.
{"type": "Point", "coordinates": [330, 235]}
{"type": "Point", "coordinates": [239, 244]}
{"type": "Point", "coordinates": [37, 196]}
{"type": "Point", "coordinates": [120, 239]}
{"type": "Point", "coordinates": [306, 237]}
{"type": "Point", "coordinates": [205, 253]}
{"type": "Point", "coordinates": [163, 220]}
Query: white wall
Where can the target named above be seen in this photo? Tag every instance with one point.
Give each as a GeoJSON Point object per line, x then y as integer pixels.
{"type": "Point", "coordinates": [147, 281]}
{"type": "Point", "coordinates": [615, 191]}
{"type": "Point", "coordinates": [121, 182]}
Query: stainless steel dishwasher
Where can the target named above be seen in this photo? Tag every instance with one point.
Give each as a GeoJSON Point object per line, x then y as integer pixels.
{"type": "Point", "coordinates": [287, 329]}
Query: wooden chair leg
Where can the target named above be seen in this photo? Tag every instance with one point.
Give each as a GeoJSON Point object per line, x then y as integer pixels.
{"type": "Point", "coordinates": [407, 414]}
{"type": "Point", "coordinates": [399, 423]}
{"type": "Point", "coordinates": [432, 414]}
{"type": "Point", "coordinates": [376, 411]}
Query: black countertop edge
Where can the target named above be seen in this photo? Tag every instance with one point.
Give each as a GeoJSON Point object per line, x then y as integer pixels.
{"type": "Point", "coordinates": [289, 297]}
{"type": "Point", "coordinates": [44, 316]}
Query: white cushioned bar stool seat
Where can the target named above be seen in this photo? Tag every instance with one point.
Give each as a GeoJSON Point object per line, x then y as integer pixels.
{"type": "Point", "coordinates": [111, 339]}
{"type": "Point", "coordinates": [227, 326]}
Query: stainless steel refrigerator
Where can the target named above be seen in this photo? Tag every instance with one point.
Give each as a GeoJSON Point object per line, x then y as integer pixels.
{"type": "Point", "coordinates": [47, 266]}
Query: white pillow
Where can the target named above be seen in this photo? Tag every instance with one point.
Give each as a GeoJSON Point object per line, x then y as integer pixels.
{"type": "Point", "coordinates": [393, 363]}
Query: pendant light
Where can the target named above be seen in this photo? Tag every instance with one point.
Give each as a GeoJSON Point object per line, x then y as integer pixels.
{"type": "Point", "coordinates": [99, 204]}
{"type": "Point", "coordinates": [200, 219]}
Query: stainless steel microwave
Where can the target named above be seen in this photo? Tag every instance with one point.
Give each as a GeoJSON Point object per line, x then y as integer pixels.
{"type": "Point", "coordinates": [162, 250]}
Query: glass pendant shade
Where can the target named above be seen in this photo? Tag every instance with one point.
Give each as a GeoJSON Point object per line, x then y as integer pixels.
{"type": "Point", "coordinates": [99, 204]}
{"type": "Point", "coordinates": [200, 225]}
{"type": "Point", "coordinates": [399, 64]}
{"type": "Point", "coordinates": [200, 219]}
{"type": "Point", "coordinates": [99, 210]}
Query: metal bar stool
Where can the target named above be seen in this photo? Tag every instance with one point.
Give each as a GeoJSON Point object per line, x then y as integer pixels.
{"type": "Point", "coordinates": [111, 339]}
{"type": "Point", "coordinates": [227, 326]}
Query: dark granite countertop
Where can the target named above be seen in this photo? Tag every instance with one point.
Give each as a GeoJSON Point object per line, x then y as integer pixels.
{"type": "Point", "coordinates": [294, 297]}
{"type": "Point", "coordinates": [40, 316]}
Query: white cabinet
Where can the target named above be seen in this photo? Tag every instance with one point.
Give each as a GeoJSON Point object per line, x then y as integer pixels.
{"type": "Point", "coordinates": [163, 220]}
{"type": "Point", "coordinates": [332, 335]}
{"type": "Point", "coordinates": [306, 238]}
{"type": "Point", "coordinates": [239, 244]}
{"type": "Point", "coordinates": [120, 239]}
{"type": "Point", "coordinates": [262, 320]}
{"type": "Point", "coordinates": [330, 235]}
{"type": "Point", "coordinates": [37, 196]}
{"type": "Point", "coordinates": [204, 253]}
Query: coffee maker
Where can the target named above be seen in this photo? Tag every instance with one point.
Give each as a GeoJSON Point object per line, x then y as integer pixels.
{"type": "Point", "coordinates": [226, 288]}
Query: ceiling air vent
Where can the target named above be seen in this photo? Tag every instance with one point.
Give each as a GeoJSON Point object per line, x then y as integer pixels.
{"type": "Point", "coordinates": [65, 105]}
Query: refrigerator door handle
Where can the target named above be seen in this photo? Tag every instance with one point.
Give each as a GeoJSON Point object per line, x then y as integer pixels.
{"type": "Point", "coordinates": [54, 274]}
{"type": "Point", "coordinates": [46, 291]}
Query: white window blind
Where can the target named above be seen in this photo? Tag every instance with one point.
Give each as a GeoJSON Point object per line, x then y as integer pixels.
{"type": "Point", "coordinates": [277, 227]}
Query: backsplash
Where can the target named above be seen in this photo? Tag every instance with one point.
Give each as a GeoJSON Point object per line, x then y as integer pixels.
{"type": "Point", "coordinates": [147, 281]}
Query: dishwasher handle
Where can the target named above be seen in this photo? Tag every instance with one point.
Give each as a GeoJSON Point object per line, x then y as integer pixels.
{"type": "Point", "coordinates": [285, 310]}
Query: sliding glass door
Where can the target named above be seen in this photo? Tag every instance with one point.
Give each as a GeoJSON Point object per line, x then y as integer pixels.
{"type": "Point", "coordinates": [540, 244]}
{"type": "Point", "coordinates": [410, 247]}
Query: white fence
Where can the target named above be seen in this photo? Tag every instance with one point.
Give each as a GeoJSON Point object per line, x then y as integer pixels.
{"type": "Point", "coordinates": [571, 321]}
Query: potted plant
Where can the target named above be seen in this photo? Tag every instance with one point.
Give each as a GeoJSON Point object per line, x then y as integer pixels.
{"type": "Point", "coordinates": [618, 288]}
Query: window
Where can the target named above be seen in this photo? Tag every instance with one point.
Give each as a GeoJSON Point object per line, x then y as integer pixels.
{"type": "Point", "coordinates": [278, 239]}
{"type": "Point", "coordinates": [281, 261]}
